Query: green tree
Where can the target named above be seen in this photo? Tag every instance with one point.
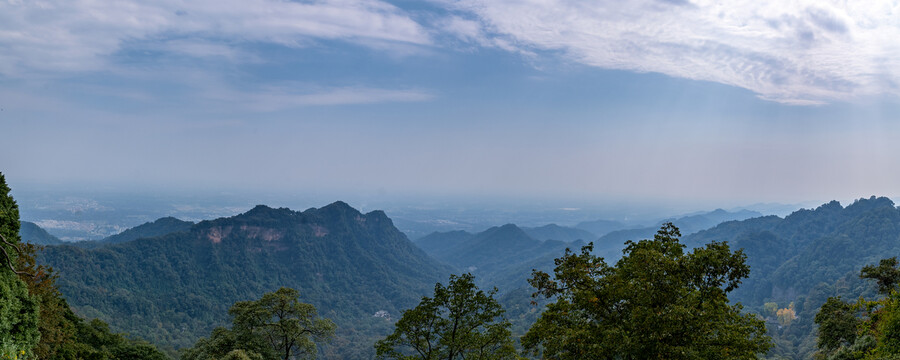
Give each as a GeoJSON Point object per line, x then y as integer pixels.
{"type": "Point", "coordinates": [657, 302]}
{"type": "Point", "coordinates": [885, 274]}
{"type": "Point", "coordinates": [18, 308]}
{"type": "Point", "coordinates": [838, 324]}
{"type": "Point", "coordinates": [867, 329]}
{"type": "Point", "coordinates": [459, 322]}
{"type": "Point", "coordinates": [277, 326]}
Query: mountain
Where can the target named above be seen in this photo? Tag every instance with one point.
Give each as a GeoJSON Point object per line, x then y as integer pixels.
{"type": "Point", "coordinates": [162, 226]}
{"type": "Point", "coordinates": [443, 244]}
{"type": "Point", "coordinates": [171, 289]}
{"type": "Point", "coordinates": [561, 233]}
{"type": "Point", "coordinates": [805, 257]}
{"type": "Point", "coordinates": [501, 256]}
{"type": "Point", "coordinates": [611, 243]}
{"type": "Point", "coordinates": [601, 227]}
{"type": "Point", "coordinates": [33, 234]}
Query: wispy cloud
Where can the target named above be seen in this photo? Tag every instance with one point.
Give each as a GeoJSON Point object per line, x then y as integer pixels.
{"type": "Point", "coordinates": [795, 52]}
{"type": "Point", "coordinates": [80, 35]}
{"type": "Point", "coordinates": [287, 96]}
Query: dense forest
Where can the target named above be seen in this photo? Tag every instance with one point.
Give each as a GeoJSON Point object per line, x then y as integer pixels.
{"type": "Point", "coordinates": [800, 287]}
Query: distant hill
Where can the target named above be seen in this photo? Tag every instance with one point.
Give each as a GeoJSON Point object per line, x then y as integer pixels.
{"type": "Point", "coordinates": [501, 256]}
{"type": "Point", "coordinates": [561, 233]}
{"type": "Point", "coordinates": [610, 243]}
{"type": "Point", "coordinates": [162, 226]}
{"type": "Point", "coordinates": [33, 234]}
{"type": "Point", "coordinates": [601, 227]}
{"type": "Point", "coordinates": [174, 288]}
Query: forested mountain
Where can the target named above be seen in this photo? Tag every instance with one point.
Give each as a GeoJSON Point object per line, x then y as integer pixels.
{"type": "Point", "coordinates": [162, 226]}
{"type": "Point", "coordinates": [561, 233]}
{"type": "Point", "coordinates": [31, 233]}
{"type": "Point", "coordinates": [173, 288]}
{"type": "Point", "coordinates": [806, 257]}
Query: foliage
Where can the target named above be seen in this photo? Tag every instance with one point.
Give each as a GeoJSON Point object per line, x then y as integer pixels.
{"type": "Point", "coordinates": [277, 326]}
{"type": "Point", "coordinates": [838, 323]}
{"type": "Point", "coordinates": [18, 314]}
{"type": "Point", "coordinates": [865, 329]}
{"type": "Point", "coordinates": [886, 274]}
{"type": "Point", "coordinates": [289, 326]}
{"type": "Point", "coordinates": [55, 329]}
{"type": "Point", "coordinates": [459, 322]}
{"type": "Point", "coordinates": [18, 308]}
{"type": "Point", "coordinates": [786, 315]}
{"type": "Point", "coordinates": [807, 257]}
{"type": "Point", "coordinates": [656, 302]}
{"type": "Point", "coordinates": [94, 340]}
{"type": "Point", "coordinates": [223, 342]}
{"type": "Point", "coordinates": [770, 309]}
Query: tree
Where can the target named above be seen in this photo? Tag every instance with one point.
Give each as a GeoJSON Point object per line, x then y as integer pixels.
{"type": "Point", "coordinates": [657, 302]}
{"type": "Point", "coordinates": [18, 308]}
{"type": "Point", "coordinates": [277, 326]}
{"type": "Point", "coordinates": [885, 274]}
{"type": "Point", "coordinates": [459, 322]}
{"type": "Point", "coordinates": [837, 324]}
{"type": "Point", "coordinates": [866, 329]}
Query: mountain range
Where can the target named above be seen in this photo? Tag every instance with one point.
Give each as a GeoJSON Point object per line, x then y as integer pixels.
{"type": "Point", "coordinates": [171, 281]}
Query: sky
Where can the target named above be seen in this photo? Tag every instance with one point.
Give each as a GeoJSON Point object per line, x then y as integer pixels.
{"type": "Point", "coordinates": [684, 100]}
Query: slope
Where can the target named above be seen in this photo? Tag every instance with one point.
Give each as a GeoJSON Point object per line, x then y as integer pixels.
{"type": "Point", "coordinates": [33, 234]}
{"type": "Point", "coordinates": [161, 226]}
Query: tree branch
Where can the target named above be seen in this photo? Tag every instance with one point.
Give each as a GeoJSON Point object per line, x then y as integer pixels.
{"type": "Point", "coordinates": [8, 259]}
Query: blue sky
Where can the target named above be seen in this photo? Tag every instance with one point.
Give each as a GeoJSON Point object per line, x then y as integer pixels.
{"type": "Point", "coordinates": [700, 101]}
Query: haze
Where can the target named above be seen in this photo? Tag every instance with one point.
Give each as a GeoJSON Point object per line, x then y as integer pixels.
{"type": "Point", "coordinates": [682, 101]}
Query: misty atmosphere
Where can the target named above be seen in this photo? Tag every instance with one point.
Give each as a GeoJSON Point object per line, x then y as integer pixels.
{"type": "Point", "coordinates": [449, 179]}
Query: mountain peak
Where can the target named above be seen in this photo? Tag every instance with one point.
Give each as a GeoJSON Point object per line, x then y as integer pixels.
{"type": "Point", "coordinates": [264, 211]}
{"type": "Point", "coordinates": [508, 234]}
{"type": "Point", "coordinates": [862, 205]}
{"type": "Point", "coordinates": [340, 207]}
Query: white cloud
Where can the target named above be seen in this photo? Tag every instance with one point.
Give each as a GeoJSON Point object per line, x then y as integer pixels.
{"type": "Point", "coordinates": [80, 35]}
{"type": "Point", "coordinates": [280, 97]}
{"type": "Point", "coordinates": [799, 51]}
